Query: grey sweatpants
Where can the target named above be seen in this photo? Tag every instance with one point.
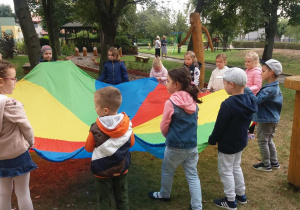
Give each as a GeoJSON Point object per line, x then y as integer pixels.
{"type": "Point", "coordinates": [265, 134]}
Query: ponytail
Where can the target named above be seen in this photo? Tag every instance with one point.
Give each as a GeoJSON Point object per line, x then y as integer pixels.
{"type": "Point", "coordinates": [183, 76]}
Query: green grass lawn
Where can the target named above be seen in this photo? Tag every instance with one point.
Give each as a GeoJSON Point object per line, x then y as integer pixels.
{"type": "Point", "coordinates": [70, 184]}
{"type": "Point", "coordinates": [288, 58]}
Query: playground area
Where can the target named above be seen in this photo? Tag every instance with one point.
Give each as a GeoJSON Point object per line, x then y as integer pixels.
{"type": "Point", "coordinates": [68, 191]}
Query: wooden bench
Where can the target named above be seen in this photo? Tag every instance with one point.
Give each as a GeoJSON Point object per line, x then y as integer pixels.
{"type": "Point", "coordinates": [141, 58]}
{"type": "Point", "coordinates": [27, 68]}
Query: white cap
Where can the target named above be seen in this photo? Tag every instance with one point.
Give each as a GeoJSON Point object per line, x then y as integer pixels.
{"type": "Point", "coordinates": [273, 64]}
{"type": "Point", "coordinates": [236, 75]}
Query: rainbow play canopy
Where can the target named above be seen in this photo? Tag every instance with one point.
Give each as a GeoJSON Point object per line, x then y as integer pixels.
{"type": "Point", "coordinates": [58, 100]}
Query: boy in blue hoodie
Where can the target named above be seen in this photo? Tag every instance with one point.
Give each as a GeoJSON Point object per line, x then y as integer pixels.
{"type": "Point", "coordinates": [231, 133]}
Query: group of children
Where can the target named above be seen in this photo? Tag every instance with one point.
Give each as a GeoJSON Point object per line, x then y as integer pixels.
{"type": "Point", "coordinates": [111, 136]}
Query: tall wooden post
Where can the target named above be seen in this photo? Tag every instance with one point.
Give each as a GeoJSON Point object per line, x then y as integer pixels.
{"type": "Point", "coordinates": [293, 83]}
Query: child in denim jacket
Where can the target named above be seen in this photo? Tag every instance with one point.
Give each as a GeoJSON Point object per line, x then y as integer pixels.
{"type": "Point", "coordinates": [269, 102]}
{"type": "Point", "coordinates": [179, 126]}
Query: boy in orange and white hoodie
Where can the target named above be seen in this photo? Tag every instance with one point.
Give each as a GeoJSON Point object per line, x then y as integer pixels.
{"type": "Point", "coordinates": [109, 139]}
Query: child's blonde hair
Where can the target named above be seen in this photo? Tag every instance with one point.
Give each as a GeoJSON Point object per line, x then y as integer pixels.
{"type": "Point", "coordinates": [255, 58]}
{"type": "Point", "coordinates": [223, 56]}
{"type": "Point", "coordinates": [109, 97]}
{"type": "Point", "coordinates": [156, 62]}
{"type": "Point", "coordinates": [114, 53]}
{"type": "Point", "coordinates": [193, 57]}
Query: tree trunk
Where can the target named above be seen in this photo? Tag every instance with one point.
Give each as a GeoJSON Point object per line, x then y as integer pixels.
{"type": "Point", "coordinates": [109, 29]}
{"type": "Point", "coordinates": [30, 37]}
{"type": "Point", "coordinates": [109, 11]}
{"type": "Point", "coordinates": [270, 27]}
{"type": "Point", "coordinates": [52, 27]}
{"type": "Point", "coordinates": [179, 40]}
{"type": "Point", "coordinates": [225, 42]}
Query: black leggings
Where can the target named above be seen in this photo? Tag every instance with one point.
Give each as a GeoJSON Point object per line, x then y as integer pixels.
{"type": "Point", "coordinates": [251, 129]}
{"type": "Point", "coordinates": [157, 52]}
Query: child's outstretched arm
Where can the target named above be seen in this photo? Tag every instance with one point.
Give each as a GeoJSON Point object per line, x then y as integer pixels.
{"type": "Point", "coordinates": [211, 80]}
{"type": "Point", "coordinates": [221, 124]}
{"type": "Point", "coordinates": [103, 76]}
{"type": "Point", "coordinates": [124, 72]}
{"type": "Point", "coordinates": [165, 74]}
{"type": "Point", "coordinates": [196, 76]}
{"type": "Point", "coordinates": [257, 82]}
{"type": "Point", "coordinates": [166, 119]}
{"type": "Point", "coordinates": [90, 143]}
{"type": "Point", "coordinates": [15, 112]}
{"type": "Point", "coordinates": [261, 96]}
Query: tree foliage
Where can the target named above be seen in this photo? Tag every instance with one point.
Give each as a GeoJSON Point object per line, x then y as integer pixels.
{"type": "Point", "coordinates": [6, 11]}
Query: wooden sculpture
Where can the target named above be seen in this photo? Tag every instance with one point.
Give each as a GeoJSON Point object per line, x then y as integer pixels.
{"type": "Point", "coordinates": [196, 32]}
{"type": "Point", "coordinates": [84, 51]}
{"type": "Point", "coordinates": [76, 51]}
{"type": "Point", "coordinates": [95, 51]}
{"type": "Point", "coordinates": [293, 83]}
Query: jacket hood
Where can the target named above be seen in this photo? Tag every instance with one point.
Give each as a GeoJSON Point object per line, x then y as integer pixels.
{"type": "Point", "coordinates": [254, 69]}
{"type": "Point", "coordinates": [184, 100]}
{"type": "Point", "coordinates": [242, 105]}
{"type": "Point", "coordinates": [193, 65]}
{"type": "Point", "coordinates": [114, 125]}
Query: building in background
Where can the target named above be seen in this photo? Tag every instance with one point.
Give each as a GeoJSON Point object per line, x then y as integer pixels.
{"type": "Point", "coordinates": [9, 26]}
{"type": "Point", "coordinates": [259, 35]}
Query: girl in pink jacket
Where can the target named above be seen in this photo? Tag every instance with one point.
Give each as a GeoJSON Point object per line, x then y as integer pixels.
{"type": "Point", "coordinates": [159, 71]}
{"type": "Point", "coordinates": [253, 71]}
{"type": "Point", "coordinates": [254, 80]}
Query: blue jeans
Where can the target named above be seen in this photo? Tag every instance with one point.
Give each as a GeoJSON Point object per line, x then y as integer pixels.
{"type": "Point", "coordinates": [188, 158]}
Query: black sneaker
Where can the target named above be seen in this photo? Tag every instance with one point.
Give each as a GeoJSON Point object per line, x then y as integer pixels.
{"type": "Point", "coordinates": [262, 167]}
{"type": "Point", "coordinates": [224, 203]}
{"type": "Point", "coordinates": [275, 165]}
{"type": "Point", "coordinates": [241, 199]}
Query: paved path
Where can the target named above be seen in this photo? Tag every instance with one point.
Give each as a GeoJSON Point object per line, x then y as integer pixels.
{"type": "Point", "coordinates": [208, 66]}
{"type": "Point", "coordinates": [88, 62]}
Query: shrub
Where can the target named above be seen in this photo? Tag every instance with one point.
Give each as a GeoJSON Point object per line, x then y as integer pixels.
{"type": "Point", "coordinates": [7, 45]}
{"type": "Point", "coordinates": [44, 41]}
{"type": "Point", "coordinates": [67, 49]}
{"type": "Point", "coordinates": [122, 41]}
{"type": "Point", "coordinates": [277, 45]}
{"type": "Point", "coordinates": [21, 47]}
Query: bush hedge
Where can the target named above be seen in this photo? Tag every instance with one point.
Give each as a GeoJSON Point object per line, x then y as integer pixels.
{"type": "Point", "coordinates": [7, 45]}
{"type": "Point", "coordinates": [277, 45]}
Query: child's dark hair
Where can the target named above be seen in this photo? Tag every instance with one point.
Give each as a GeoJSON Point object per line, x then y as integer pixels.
{"type": "Point", "coordinates": [183, 76]}
{"type": "Point", "coordinates": [4, 66]}
{"type": "Point", "coordinates": [114, 53]}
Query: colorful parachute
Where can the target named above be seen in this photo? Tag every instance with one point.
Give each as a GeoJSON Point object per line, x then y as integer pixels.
{"type": "Point", "coordinates": [58, 100]}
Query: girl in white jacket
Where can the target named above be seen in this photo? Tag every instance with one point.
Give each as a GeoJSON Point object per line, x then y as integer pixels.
{"type": "Point", "coordinates": [16, 138]}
